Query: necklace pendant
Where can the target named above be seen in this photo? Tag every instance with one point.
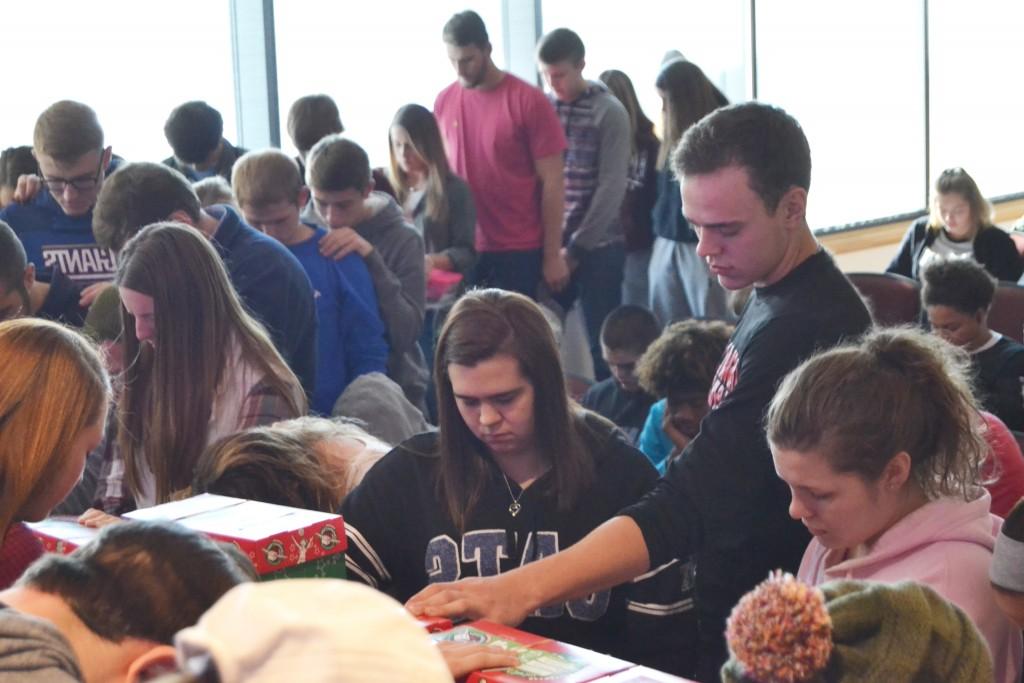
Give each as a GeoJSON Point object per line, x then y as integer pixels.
{"type": "Point", "coordinates": [514, 508]}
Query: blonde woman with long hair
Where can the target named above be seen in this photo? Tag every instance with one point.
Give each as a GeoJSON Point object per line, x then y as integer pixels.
{"type": "Point", "coordinates": [958, 225]}
{"type": "Point", "coordinates": [54, 393]}
{"type": "Point", "coordinates": [198, 366]}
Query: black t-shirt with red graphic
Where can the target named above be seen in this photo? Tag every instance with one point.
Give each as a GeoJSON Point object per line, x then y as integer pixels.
{"type": "Point", "coordinates": [722, 501]}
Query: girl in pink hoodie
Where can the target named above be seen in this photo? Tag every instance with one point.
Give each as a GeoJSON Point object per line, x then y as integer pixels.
{"type": "Point", "coordinates": [880, 444]}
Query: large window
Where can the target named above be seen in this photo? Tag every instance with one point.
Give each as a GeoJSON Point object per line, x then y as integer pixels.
{"type": "Point", "coordinates": [976, 103]}
{"type": "Point", "coordinates": [635, 39]}
{"type": "Point", "coordinates": [131, 61]}
{"type": "Point", "coordinates": [372, 58]}
{"type": "Point", "coordinates": [853, 75]}
{"type": "Point", "coordinates": [883, 110]}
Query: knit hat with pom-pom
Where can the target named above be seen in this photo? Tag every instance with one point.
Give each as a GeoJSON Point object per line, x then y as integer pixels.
{"type": "Point", "coordinates": [787, 632]}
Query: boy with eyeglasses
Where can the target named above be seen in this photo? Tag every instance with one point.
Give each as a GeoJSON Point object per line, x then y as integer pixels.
{"type": "Point", "coordinates": [54, 222]}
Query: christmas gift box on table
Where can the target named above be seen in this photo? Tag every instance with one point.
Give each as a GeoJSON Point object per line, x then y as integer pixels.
{"type": "Point", "coordinates": [281, 542]}
{"type": "Point", "coordinates": [540, 658]}
{"type": "Point", "coordinates": [61, 534]}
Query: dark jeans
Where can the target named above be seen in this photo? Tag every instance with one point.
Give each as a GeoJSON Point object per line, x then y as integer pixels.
{"type": "Point", "coordinates": [597, 282]}
{"type": "Point", "coordinates": [515, 271]}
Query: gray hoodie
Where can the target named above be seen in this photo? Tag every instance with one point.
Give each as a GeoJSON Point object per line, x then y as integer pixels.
{"type": "Point", "coordinates": [396, 265]}
{"type": "Point", "coordinates": [34, 651]}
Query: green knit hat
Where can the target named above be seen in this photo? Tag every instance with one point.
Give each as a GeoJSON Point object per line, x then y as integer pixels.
{"type": "Point", "coordinates": [879, 632]}
{"type": "Point", "coordinates": [103, 322]}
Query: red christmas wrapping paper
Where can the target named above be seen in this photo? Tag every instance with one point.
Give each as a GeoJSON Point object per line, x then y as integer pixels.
{"type": "Point", "coordinates": [274, 537]}
{"type": "Point", "coordinates": [61, 534]}
{"type": "Point", "coordinates": [540, 658]}
{"type": "Point", "coordinates": [435, 624]}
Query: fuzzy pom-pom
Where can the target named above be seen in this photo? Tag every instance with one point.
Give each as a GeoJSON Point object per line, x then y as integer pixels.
{"type": "Point", "coordinates": [781, 631]}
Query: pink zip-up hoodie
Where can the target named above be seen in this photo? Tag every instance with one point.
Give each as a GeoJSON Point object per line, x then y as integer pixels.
{"type": "Point", "coordinates": [947, 545]}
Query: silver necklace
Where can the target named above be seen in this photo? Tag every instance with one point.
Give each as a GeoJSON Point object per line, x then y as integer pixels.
{"type": "Point", "coordinates": [514, 507]}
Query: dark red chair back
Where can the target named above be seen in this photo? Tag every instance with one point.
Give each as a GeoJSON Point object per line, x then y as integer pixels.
{"type": "Point", "coordinates": [892, 299]}
{"type": "Point", "coordinates": [1007, 313]}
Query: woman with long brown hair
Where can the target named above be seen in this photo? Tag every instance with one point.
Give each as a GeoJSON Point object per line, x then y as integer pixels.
{"type": "Point", "coordinates": [681, 286]}
{"type": "Point", "coordinates": [515, 472]}
{"type": "Point", "coordinates": [198, 366]}
{"type": "Point", "coordinates": [54, 393]}
{"type": "Point", "coordinates": [433, 198]}
{"type": "Point", "coordinates": [641, 190]}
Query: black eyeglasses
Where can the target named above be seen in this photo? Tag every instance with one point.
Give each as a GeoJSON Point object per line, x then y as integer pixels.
{"type": "Point", "coordinates": [81, 183]}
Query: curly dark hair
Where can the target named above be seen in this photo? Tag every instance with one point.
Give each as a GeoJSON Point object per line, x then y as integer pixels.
{"type": "Point", "coordinates": [683, 358]}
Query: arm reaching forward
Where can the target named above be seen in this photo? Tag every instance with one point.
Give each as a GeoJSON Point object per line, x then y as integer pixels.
{"type": "Point", "coordinates": [611, 554]}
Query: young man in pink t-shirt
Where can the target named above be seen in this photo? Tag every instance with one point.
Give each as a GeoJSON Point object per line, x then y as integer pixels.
{"type": "Point", "coordinates": [502, 135]}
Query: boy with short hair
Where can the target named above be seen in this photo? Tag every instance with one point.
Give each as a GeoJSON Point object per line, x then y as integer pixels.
{"type": "Point", "coordinates": [55, 222]}
{"type": "Point", "coordinates": [14, 163]}
{"type": "Point", "coordinates": [956, 295]}
{"type": "Point", "coordinates": [625, 335]}
{"type": "Point", "coordinates": [195, 132]}
{"type": "Point", "coordinates": [311, 119]}
{"type": "Point", "coordinates": [371, 224]}
{"type": "Point", "coordinates": [214, 190]}
{"type": "Point", "coordinates": [678, 369]}
{"type": "Point", "coordinates": [109, 611]}
{"type": "Point", "coordinates": [595, 169]}
{"type": "Point", "coordinates": [271, 195]}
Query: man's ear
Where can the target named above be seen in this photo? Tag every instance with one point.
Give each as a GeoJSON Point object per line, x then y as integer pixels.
{"type": "Point", "coordinates": [794, 205]}
{"type": "Point", "coordinates": [369, 187]}
{"type": "Point", "coordinates": [152, 664]}
{"type": "Point", "coordinates": [107, 154]}
{"type": "Point", "coordinates": [30, 276]}
{"type": "Point", "coordinates": [303, 197]}
{"type": "Point", "coordinates": [182, 217]}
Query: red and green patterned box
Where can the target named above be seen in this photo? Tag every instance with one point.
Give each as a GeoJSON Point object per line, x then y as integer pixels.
{"type": "Point", "coordinates": [540, 659]}
{"type": "Point", "coordinates": [61, 534]}
{"type": "Point", "coordinates": [281, 542]}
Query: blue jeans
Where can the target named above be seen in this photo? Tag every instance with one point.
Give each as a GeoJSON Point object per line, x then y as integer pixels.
{"type": "Point", "coordinates": [514, 271]}
{"type": "Point", "coordinates": [597, 282]}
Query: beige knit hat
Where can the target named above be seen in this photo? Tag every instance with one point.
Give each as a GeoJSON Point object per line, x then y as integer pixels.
{"type": "Point", "coordinates": [311, 630]}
